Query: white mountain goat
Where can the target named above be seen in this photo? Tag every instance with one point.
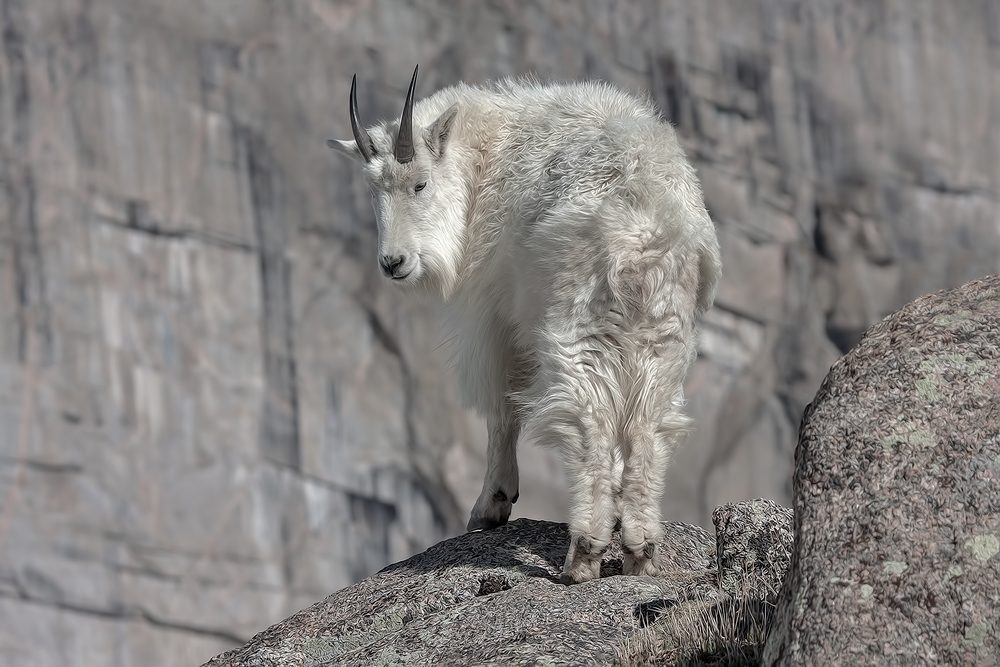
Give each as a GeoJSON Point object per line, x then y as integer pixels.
{"type": "Point", "coordinates": [566, 232]}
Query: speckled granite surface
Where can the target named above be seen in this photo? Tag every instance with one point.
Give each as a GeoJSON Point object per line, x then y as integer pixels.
{"type": "Point", "coordinates": [897, 495]}
{"type": "Point", "coordinates": [488, 597]}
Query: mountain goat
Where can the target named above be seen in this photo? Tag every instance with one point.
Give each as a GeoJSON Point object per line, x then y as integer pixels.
{"type": "Point", "coordinates": [566, 232]}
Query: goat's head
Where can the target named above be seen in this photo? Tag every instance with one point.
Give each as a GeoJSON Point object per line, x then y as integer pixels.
{"type": "Point", "coordinates": [416, 191]}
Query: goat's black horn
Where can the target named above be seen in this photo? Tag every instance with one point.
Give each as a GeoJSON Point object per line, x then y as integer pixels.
{"type": "Point", "coordinates": [404, 141]}
{"type": "Point", "coordinates": [365, 144]}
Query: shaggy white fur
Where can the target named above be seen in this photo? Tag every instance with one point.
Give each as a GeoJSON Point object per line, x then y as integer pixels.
{"type": "Point", "coordinates": [566, 232]}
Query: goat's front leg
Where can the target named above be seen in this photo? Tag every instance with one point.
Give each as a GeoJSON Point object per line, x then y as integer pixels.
{"type": "Point", "coordinates": [500, 486]}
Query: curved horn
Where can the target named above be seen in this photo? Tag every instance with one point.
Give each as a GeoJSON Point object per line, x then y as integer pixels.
{"type": "Point", "coordinates": [404, 141]}
{"type": "Point", "coordinates": [365, 144]}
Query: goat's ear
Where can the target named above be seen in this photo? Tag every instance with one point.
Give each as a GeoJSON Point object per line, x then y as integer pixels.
{"type": "Point", "coordinates": [436, 136]}
{"type": "Point", "coordinates": [349, 148]}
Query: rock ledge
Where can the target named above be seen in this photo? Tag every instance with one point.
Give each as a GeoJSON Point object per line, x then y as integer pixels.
{"type": "Point", "coordinates": [491, 598]}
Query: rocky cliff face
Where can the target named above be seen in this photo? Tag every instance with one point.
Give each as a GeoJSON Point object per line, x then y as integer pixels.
{"type": "Point", "coordinates": [214, 411]}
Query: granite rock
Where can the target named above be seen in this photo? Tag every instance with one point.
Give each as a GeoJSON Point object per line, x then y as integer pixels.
{"type": "Point", "coordinates": [753, 546]}
{"type": "Point", "coordinates": [487, 598]}
{"type": "Point", "coordinates": [494, 597]}
{"type": "Point", "coordinates": [897, 495]}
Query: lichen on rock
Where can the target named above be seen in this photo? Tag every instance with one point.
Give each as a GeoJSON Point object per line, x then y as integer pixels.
{"type": "Point", "coordinates": [896, 493]}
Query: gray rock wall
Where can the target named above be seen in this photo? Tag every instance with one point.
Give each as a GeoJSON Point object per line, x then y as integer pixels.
{"type": "Point", "coordinates": [213, 411]}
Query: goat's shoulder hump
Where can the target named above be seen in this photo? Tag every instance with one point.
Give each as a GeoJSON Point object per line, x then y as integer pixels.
{"type": "Point", "coordinates": [596, 97]}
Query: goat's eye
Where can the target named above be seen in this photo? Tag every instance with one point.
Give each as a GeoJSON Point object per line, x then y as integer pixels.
{"type": "Point", "coordinates": [420, 186]}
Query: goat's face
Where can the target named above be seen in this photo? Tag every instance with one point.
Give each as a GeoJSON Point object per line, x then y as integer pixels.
{"type": "Point", "coordinates": [417, 192]}
{"type": "Point", "coordinates": [420, 210]}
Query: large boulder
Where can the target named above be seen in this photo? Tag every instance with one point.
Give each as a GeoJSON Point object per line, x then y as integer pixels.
{"type": "Point", "coordinates": [897, 495]}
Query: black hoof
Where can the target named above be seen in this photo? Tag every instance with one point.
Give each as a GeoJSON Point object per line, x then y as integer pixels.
{"type": "Point", "coordinates": [485, 523]}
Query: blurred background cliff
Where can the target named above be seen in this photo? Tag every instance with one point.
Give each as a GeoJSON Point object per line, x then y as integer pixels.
{"type": "Point", "coordinates": [213, 411]}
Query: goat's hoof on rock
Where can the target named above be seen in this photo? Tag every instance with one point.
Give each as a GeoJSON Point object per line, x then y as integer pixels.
{"type": "Point", "coordinates": [486, 522]}
{"type": "Point", "coordinates": [640, 561]}
{"type": "Point", "coordinates": [491, 510]}
{"type": "Point", "coordinates": [583, 562]}
{"type": "Point", "coordinates": [583, 569]}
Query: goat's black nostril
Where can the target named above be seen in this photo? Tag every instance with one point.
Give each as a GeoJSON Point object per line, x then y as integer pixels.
{"type": "Point", "coordinates": [391, 264]}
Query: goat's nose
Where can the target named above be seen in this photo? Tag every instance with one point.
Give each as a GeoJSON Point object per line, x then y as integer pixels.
{"type": "Point", "coordinates": [391, 264]}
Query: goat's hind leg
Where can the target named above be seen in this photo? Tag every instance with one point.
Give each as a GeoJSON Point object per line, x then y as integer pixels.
{"type": "Point", "coordinates": [642, 486]}
{"type": "Point", "coordinates": [586, 442]}
{"type": "Point", "coordinates": [592, 515]}
{"type": "Point", "coordinates": [646, 454]}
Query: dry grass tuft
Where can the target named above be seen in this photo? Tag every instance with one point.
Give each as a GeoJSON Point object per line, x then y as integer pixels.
{"type": "Point", "coordinates": [724, 631]}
